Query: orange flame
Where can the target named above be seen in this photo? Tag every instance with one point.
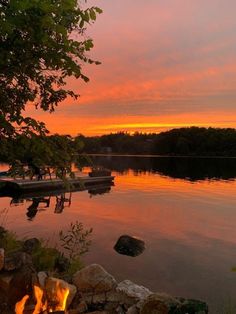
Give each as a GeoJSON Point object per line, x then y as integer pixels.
{"type": "Point", "coordinates": [39, 307]}
{"type": "Point", "coordinates": [60, 296]}
{"type": "Point", "coordinates": [19, 307]}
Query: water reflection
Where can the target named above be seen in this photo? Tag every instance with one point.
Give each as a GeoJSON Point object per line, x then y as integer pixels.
{"type": "Point", "coordinates": [34, 206]}
{"type": "Point", "coordinates": [59, 199]}
{"type": "Point", "coordinates": [62, 201]}
{"type": "Point", "coordinates": [185, 215]}
{"type": "Point", "coordinates": [192, 169]}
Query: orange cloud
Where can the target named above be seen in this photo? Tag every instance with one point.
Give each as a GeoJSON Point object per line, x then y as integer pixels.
{"type": "Point", "coordinates": [163, 66]}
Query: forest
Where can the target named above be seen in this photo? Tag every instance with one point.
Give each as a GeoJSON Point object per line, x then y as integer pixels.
{"type": "Point", "coordinates": [190, 141]}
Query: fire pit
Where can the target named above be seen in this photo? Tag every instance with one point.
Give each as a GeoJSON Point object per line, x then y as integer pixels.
{"type": "Point", "coordinates": [54, 301]}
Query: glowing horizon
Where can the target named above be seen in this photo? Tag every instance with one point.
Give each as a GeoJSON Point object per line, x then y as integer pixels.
{"type": "Point", "coordinates": [165, 64]}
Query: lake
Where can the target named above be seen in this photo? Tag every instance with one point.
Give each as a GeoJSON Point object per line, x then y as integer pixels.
{"type": "Point", "coordinates": [183, 208]}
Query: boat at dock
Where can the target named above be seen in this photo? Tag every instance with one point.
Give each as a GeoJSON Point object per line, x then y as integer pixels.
{"type": "Point", "coordinates": [13, 186]}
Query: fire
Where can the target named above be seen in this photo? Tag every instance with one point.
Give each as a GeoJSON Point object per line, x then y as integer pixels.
{"type": "Point", "coordinates": [62, 294]}
{"type": "Point", "coordinates": [40, 306]}
{"type": "Point", "coordinates": [56, 303]}
{"type": "Point", "coordinates": [19, 308]}
{"type": "Point", "coordinates": [59, 298]}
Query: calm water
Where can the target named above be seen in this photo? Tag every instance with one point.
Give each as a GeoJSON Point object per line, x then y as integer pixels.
{"type": "Point", "coordinates": [184, 210]}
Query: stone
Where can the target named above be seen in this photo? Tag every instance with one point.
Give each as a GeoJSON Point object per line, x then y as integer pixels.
{"type": "Point", "coordinates": [128, 293]}
{"type": "Point", "coordinates": [74, 311]}
{"type": "Point", "coordinates": [132, 290]}
{"type": "Point", "coordinates": [99, 298]}
{"type": "Point", "coordinates": [16, 260]}
{"type": "Point", "coordinates": [2, 256]}
{"type": "Point", "coordinates": [133, 310]}
{"type": "Point", "coordinates": [120, 310]}
{"type": "Point", "coordinates": [5, 280]}
{"type": "Point", "coordinates": [82, 307]}
{"type": "Point", "coordinates": [42, 276]}
{"type": "Point", "coordinates": [99, 312]}
{"type": "Point", "coordinates": [94, 278]}
{"type": "Point", "coordinates": [30, 245]}
{"type": "Point", "coordinates": [51, 287]}
{"type": "Point", "coordinates": [88, 297]}
{"type": "Point", "coordinates": [192, 306]}
{"type": "Point", "coordinates": [159, 304]}
{"type": "Point", "coordinates": [111, 306]}
{"type": "Point", "coordinates": [21, 284]}
{"type": "Point", "coordinates": [130, 246]}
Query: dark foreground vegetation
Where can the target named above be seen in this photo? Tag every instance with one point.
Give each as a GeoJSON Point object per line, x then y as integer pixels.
{"type": "Point", "coordinates": [56, 152]}
{"type": "Point", "coordinates": [193, 141]}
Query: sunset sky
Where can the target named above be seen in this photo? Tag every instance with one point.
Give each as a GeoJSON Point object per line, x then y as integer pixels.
{"type": "Point", "coordinates": [165, 64]}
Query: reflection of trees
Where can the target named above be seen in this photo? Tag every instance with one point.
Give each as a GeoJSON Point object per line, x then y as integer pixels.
{"type": "Point", "coordinates": [176, 167]}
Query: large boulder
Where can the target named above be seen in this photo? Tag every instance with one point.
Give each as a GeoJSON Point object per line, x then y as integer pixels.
{"type": "Point", "coordinates": [133, 290]}
{"type": "Point", "coordinates": [192, 306]}
{"type": "Point", "coordinates": [130, 246]}
{"type": "Point", "coordinates": [94, 278]}
{"type": "Point", "coordinates": [159, 304]}
{"type": "Point", "coordinates": [164, 304]}
{"type": "Point", "coordinates": [21, 284]}
{"type": "Point", "coordinates": [16, 260]}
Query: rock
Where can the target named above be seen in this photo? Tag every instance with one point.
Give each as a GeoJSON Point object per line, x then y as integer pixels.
{"type": "Point", "coordinates": [5, 280]}
{"type": "Point", "coordinates": [94, 278]}
{"type": "Point", "coordinates": [30, 245]}
{"type": "Point", "coordinates": [133, 291]}
{"type": "Point", "coordinates": [111, 306]}
{"type": "Point", "coordinates": [99, 312]}
{"type": "Point", "coordinates": [99, 298]}
{"type": "Point", "coordinates": [191, 306]}
{"type": "Point", "coordinates": [42, 275]}
{"type": "Point", "coordinates": [53, 284]}
{"type": "Point", "coordinates": [128, 293]}
{"type": "Point", "coordinates": [2, 255]}
{"type": "Point", "coordinates": [159, 304]}
{"type": "Point", "coordinates": [120, 310]}
{"type": "Point", "coordinates": [82, 307]}
{"type": "Point", "coordinates": [130, 246]}
{"type": "Point", "coordinates": [16, 260]}
{"type": "Point", "coordinates": [21, 284]}
{"type": "Point", "coordinates": [133, 310]}
{"type": "Point", "coordinates": [74, 311]}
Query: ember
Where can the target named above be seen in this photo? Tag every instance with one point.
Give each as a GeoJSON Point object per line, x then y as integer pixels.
{"type": "Point", "coordinates": [44, 306]}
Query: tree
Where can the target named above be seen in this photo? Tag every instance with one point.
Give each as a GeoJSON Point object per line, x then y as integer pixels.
{"type": "Point", "coordinates": [42, 42]}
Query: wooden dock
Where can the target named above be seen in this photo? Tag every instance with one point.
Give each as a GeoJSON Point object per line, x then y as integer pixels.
{"type": "Point", "coordinates": [23, 186]}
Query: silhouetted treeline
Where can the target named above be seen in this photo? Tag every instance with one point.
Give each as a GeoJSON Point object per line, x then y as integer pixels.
{"type": "Point", "coordinates": [58, 149]}
{"type": "Point", "coordinates": [192, 141]}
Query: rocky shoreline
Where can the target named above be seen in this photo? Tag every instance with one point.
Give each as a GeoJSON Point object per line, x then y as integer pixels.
{"type": "Point", "coordinates": [99, 290]}
{"type": "Point", "coordinates": [90, 289]}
